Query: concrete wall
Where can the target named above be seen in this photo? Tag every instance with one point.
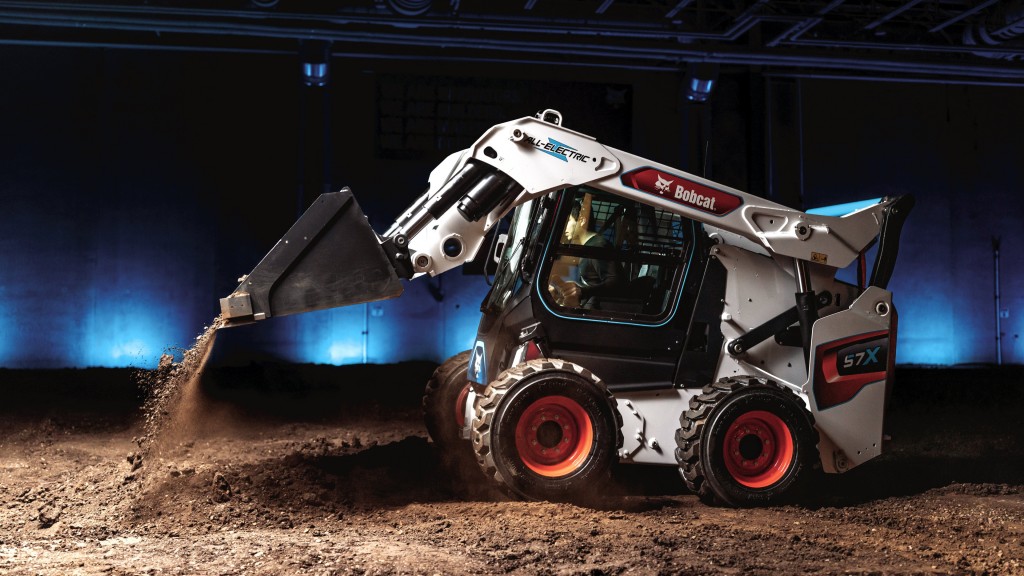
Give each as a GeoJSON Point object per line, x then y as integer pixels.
{"type": "Point", "coordinates": [959, 151]}
{"type": "Point", "coordinates": [137, 186]}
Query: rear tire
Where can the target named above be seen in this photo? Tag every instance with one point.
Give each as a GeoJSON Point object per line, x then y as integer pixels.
{"type": "Point", "coordinates": [444, 404]}
{"type": "Point", "coordinates": [746, 442]}
{"type": "Point", "coordinates": [548, 430]}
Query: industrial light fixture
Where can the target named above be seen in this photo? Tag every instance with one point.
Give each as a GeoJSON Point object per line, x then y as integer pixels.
{"type": "Point", "coordinates": [412, 7]}
{"type": "Point", "coordinates": [314, 73]}
{"type": "Point", "coordinates": [700, 82]}
{"type": "Point", "coordinates": [316, 57]}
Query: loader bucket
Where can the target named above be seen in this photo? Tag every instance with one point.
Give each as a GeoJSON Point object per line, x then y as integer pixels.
{"type": "Point", "coordinates": [330, 257]}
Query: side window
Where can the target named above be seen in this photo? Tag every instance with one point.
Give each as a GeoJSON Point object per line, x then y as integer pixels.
{"type": "Point", "coordinates": [616, 258]}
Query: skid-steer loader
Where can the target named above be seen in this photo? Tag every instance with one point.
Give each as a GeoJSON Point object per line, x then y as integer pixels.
{"type": "Point", "coordinates": [638, 314]}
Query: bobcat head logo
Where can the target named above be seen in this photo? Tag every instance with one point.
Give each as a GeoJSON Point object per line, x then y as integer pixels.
{"type": "Point", "coordinates": [662, 184]}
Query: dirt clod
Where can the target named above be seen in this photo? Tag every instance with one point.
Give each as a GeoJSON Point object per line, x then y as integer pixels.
{"type": "Point", "coordinates": [48, 514]}
{"type": "Point", "coordinates": [135, 459]}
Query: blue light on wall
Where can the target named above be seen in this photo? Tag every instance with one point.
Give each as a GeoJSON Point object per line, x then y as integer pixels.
{"type": "Point", "coordinates": [330, 336]}
{"type": "Point", "coordinates": [926, 336]}
{"type": "Point", "coordinates": [699, 90]}
{"type": "Point", "coordinates": [341, 352]}
{"type": "Point", "coordinates": [700, 81]}
{"type": "Point", "coordinates": [314, 74]}
{"type": "Point", "coordinates": [461, 312]}
{"type": "Point", "coordinates": [415, 326]}
{"type": "Point", "coordinates": [957, 154]}
{"type": "Point", "coordinates": [113, 332]}
{"type": "Point", "coordinates": [133, 331]}
{"type": "Point", "coordinates": [6, 331]}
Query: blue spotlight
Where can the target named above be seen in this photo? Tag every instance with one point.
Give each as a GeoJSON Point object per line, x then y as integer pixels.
{"type": "Point", "coordinates": [316, 58]}
{"type": "Point", "coordinates": [332, 336]}
{"type": "Point", "coordinates": [699, 89]}
{"type": "Point", "coordinates": [132, 333]}
{"type": "Point", "coordinates": [314, 73]}
{"type": "Point", "coordinates": [700, 81]}
{"type": "Point", "coordinates": [6, 334]}
{"type": "Point", "coordinates": [926, 335]}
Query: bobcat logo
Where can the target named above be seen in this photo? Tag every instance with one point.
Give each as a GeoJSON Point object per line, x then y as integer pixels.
{"type": "Point", "coordinates": [478, 364]}
{"type": "Point", "coordinates": [662, 185]}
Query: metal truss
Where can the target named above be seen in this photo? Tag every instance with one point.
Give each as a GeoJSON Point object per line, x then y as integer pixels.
{"type": "Point", "coordinates": [955, 41]}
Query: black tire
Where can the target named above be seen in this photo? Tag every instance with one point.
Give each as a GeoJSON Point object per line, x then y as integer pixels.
{"type": "Point", "coordinates": [443, 413]}
{"type": "Point", "coordinates": [746, 442]}
{"type": "Point", "coordinates": [548, 430]}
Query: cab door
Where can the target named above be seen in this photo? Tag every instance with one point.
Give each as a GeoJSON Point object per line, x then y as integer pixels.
{"type": "Point", "coordinates": [615, 288]}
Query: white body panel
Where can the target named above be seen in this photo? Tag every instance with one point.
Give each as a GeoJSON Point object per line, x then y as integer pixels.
{"type": "Point", "coordinates": [649, 423]}
{"type": "Point", "coordinates": [757, 289]}
{"type": "Point", "coordinates": [853, 426]}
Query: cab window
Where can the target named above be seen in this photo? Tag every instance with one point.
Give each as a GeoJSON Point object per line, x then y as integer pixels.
{"type": "Point", "coordinates": [615, 258]}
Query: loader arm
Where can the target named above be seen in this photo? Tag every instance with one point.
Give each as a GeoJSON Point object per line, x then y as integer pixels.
{"type": "Point", "coordinates": [332, 258]}
{"type": "Point", "coordinates": [529, 157]}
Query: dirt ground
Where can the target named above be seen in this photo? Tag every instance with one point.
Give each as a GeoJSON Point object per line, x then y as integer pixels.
{"type": "Point", "coordinates": [282, 469]}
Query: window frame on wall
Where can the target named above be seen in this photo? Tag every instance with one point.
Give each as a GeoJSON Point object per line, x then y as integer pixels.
{"type": "Point", "coordinates": [421, 117]}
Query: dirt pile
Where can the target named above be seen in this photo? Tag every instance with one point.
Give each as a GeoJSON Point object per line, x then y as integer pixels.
{"type": "Point", "coordinates": [197, 421]}
{"type": "Point", "coordinates": [361, 490]}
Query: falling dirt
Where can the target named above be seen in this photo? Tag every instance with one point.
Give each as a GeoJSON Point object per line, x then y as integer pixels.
{"type": "Point", "coordinates": [172, 392]}
{"type": "Point", "coordinates": [328, 470]}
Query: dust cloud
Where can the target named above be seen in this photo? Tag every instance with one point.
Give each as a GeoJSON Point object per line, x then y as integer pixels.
{"type": "Point", "coordinates": [173, 404]}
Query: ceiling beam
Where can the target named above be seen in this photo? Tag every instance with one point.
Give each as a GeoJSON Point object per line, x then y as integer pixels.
{"type": "Point", "coordinates": [893, 14]}
{"type": "Point", "coordinates": [678, 8]}
{"type": "Point", "coordinates": [964, 14]}
{"type": "Point", "coordinates": [476, 37]}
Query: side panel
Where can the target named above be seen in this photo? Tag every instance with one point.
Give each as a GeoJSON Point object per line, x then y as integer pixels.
{"type": "Point", "coordinates": [851, 362]}
{"type": "Point", "coordinates": [757, 290]}
{"type": "Point", "coordinates": [498, 335]}
{"type": "Point", "coordinates": [649, 422]}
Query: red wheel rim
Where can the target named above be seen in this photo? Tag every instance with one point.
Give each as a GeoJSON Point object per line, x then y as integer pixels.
{"type": "Point", "coordinates": [460, 406]}
{"type": "Point", "coordinates": [554, 436]}
{"type": "Point", "coordinates": [758, 449]}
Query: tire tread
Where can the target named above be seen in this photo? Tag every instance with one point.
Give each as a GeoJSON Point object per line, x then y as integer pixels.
{"type": "Point", "coordinates": [488, 401]}
{"type": "Point", "coordinates": [692, 425]}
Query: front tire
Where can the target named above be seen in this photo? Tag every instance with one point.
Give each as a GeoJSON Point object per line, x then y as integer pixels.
{"type": "Point", "coordinates": [444, 405]}
{"type": "Point", "coordinates": [548, 430]}
{"type": "Point", "coordinates": [746, 442]}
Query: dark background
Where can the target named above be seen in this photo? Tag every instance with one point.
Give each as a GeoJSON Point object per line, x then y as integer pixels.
{"type": "Point", "coordinates": [151, 154]}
